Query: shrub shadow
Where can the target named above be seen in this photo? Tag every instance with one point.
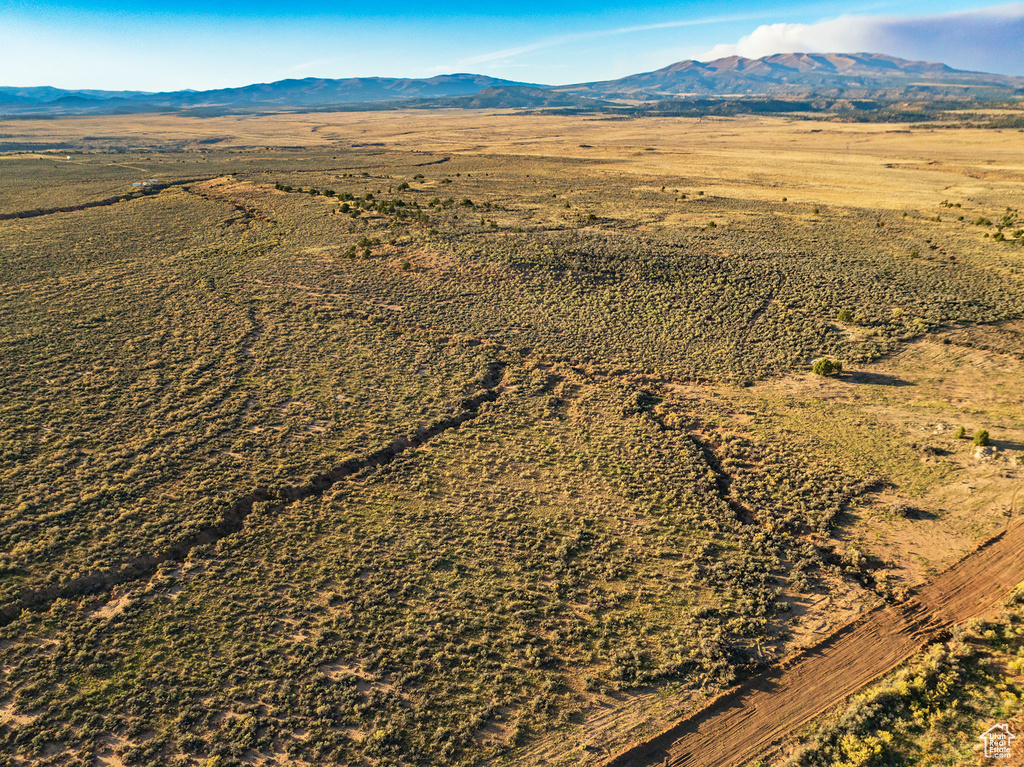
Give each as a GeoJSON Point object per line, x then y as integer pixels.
{"type": "Point", "coordinates": [1005, 444]}
{"type": "Point", "coordinates": [877, 379]}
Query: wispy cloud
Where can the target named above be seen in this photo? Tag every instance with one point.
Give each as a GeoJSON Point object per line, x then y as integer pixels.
{"type": "Point", "coordinates": [506, 54]}
{"type": "Point", "coordinates": [308, 66]}
{"type": "Point", "coordinates": [987, 39]}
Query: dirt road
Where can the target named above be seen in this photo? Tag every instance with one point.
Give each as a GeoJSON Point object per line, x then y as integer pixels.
{"type": "Point", "coordinates": [741, 725]}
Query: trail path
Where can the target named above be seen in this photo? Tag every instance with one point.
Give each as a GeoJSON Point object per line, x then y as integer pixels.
{"type": "Point", "coordinates": [741, 725]}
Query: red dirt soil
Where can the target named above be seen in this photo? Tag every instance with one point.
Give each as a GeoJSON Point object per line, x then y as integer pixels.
{"type": "Point", "coordinates": [744, 723]}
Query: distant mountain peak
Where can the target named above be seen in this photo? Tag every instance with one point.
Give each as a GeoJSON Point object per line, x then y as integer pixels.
{"type": "Point", "coordinates": [804, 74]}
{"type": "Point", "coordinates": [831, 75]}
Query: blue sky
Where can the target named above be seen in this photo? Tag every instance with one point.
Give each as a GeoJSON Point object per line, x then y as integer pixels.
{"type": "Point", "coordinates": [164, 45]}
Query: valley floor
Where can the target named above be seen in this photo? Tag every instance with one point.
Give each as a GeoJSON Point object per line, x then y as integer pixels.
{"type": "Point", "coordinates": [448, 438]}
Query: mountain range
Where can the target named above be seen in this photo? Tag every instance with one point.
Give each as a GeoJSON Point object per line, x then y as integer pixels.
{"type": "Point", "coordinates": [806, 74]}
{"type": "Point", "coordinates": [858, 75]}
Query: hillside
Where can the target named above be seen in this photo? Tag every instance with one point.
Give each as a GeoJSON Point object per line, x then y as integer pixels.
{"type": "Point", "coordinates": [829, 75]}
{"type": "Point", "coordinates": [516, 97]}
{"type": "Point", "coordinates": [803, 74]}
{"type": "Point", "coordinates": [284, 94]}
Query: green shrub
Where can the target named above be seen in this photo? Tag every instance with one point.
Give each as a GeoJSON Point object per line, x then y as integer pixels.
{"type": "Point", "coordinates": [981, 437]}
{"type": "Point", "coordinates": [959, 433]}
{"type": "Point", "coordinates": [845, 315]}
{"type": "Point", "coordinates": [827, 367]}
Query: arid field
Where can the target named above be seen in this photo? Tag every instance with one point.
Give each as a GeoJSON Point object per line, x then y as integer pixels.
{"type": "Point", "coordinates": [465, 438]}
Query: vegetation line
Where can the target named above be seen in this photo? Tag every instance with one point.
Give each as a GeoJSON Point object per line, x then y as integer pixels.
{"type": "Point", "coordinates": [133, 195]}
{"type": "Point", "coordinates": [723, 480]}
{"type": "Point", "coordinates": [234, 518]}
{"type": "Point", "coordinates": [432, 162]}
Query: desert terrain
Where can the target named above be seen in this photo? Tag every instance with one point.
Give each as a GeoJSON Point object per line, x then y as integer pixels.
{"type": "Point", "coordinates": [450, 437]}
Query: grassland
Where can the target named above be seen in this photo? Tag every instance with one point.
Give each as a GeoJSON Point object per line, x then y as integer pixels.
{"type": "Point", "coordinates": [378, 439]}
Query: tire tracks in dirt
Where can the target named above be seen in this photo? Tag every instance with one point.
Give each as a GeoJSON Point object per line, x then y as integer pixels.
{"type": "Point", "coordinates": [745, 722]}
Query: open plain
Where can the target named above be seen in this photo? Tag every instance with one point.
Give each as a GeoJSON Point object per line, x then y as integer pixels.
{"type": "Point", "coordinates": [417, 438]}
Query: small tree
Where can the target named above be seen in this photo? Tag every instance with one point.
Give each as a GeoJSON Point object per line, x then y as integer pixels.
{"type": "Point", "coordinates": [823, 367]}
{"type": "Point", "coordinates": [845, 315]}
{"type": "Point", "coordinates": [981, 437]}
{"type": "Point", "coordinates": [959, 433]}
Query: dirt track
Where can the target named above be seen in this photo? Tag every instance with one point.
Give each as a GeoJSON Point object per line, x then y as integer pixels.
{"type": "Point", "coordinates": [741, 725]}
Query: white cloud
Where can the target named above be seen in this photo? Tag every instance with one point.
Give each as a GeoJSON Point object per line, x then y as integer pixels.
{"type": "Point", "coordinates": [576, 37]}
{"type": "Point", "coordinates": [987, 39]}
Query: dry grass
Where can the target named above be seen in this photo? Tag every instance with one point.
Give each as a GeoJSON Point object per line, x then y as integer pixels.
{"type": "Point", "coordinates": [619, 485]}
